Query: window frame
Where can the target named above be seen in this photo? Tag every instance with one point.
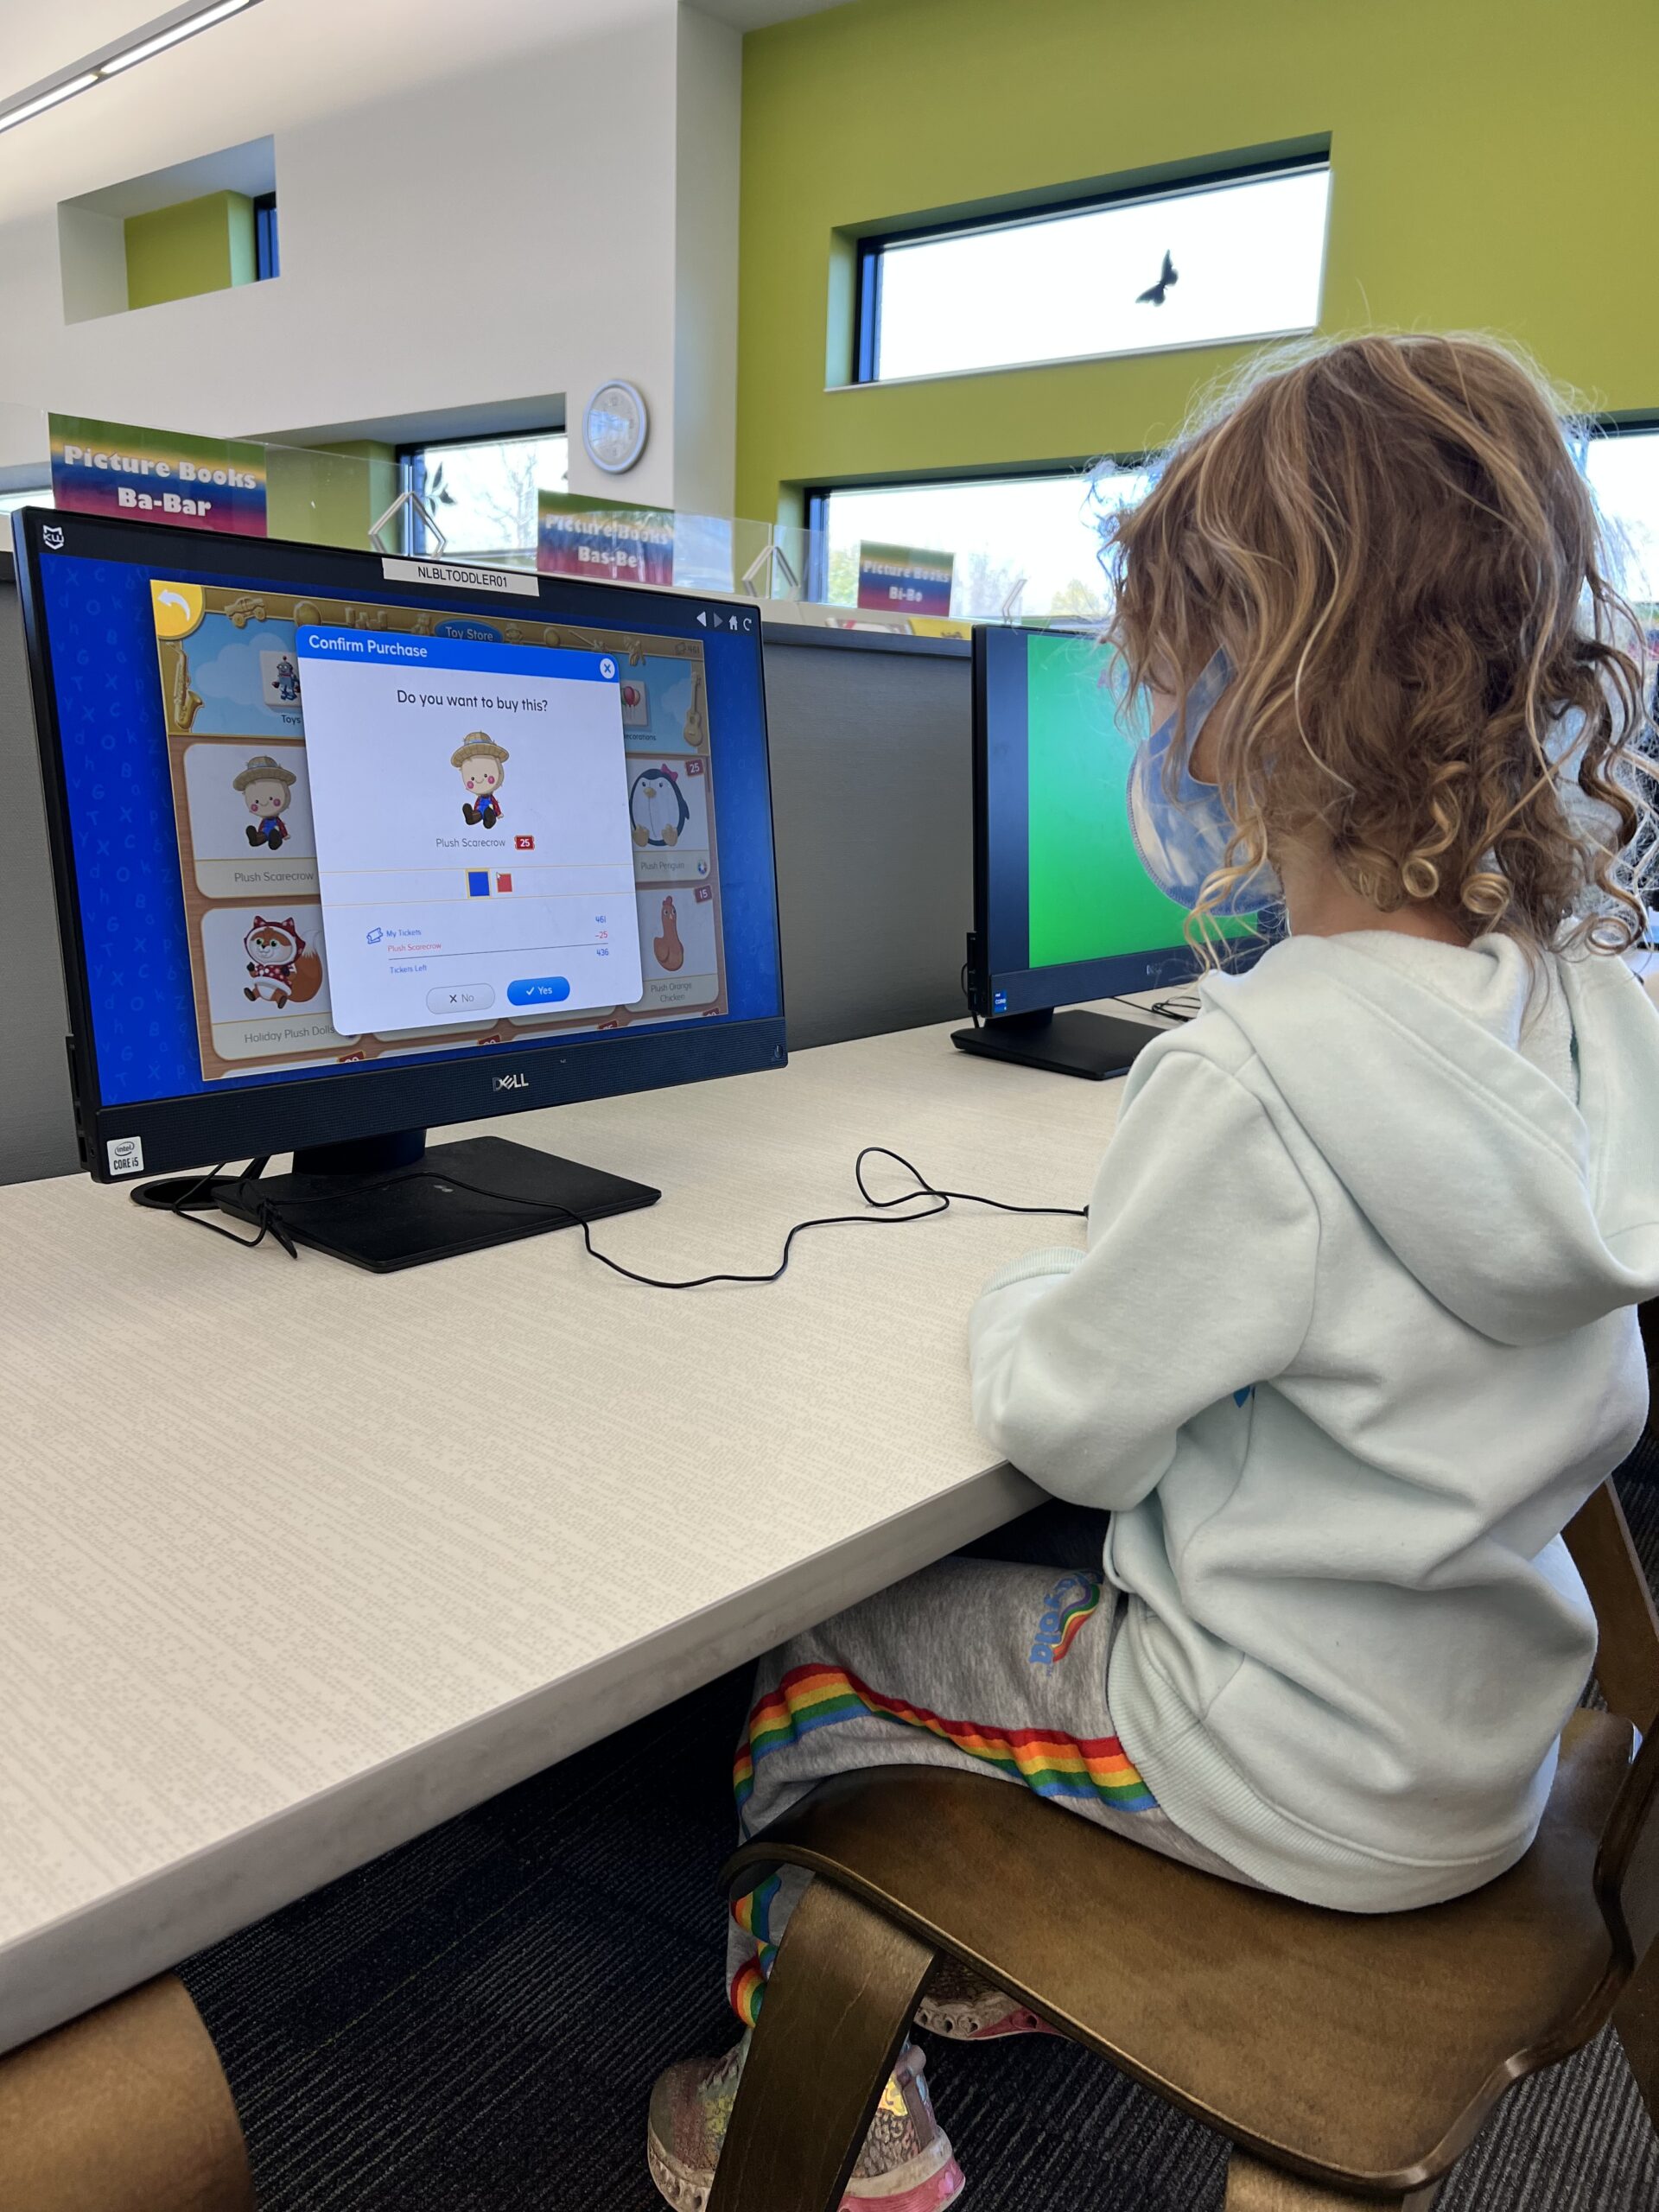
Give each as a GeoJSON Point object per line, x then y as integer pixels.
{"type": "Point", "coordinates": [815, 498]}
{"type": "Point", "coordinates": [267, 245]}
{"type": "Point", "coordinates": [412, 471]}
{"type": "Point", "coordinates": [871, 247]}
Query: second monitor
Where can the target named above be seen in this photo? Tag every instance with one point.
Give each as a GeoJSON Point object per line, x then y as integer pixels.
{"type": "Point", "coordinates": [1064, 909]}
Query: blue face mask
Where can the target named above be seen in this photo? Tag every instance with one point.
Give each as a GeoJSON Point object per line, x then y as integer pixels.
{"type": "Point", "coordinates": [1182, 834]}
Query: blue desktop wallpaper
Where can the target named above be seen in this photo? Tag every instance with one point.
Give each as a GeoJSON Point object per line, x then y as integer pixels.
{"type": "Point", "coordinates": [101, 644]}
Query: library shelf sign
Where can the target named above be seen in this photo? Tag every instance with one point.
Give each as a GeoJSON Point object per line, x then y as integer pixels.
{"type": "Point", "coordinates": [904, 579]}
{"type": "Point", "coordinates": [609, 541]}
{"type": "Point", "coordinates": [165, 476]}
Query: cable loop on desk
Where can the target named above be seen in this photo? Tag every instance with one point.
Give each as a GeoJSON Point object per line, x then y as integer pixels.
{"type": "Point", "coordinates": [883, 1215]}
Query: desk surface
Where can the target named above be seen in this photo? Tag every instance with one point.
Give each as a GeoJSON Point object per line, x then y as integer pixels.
{"type": "Point", "coordinates": [296, 1561]}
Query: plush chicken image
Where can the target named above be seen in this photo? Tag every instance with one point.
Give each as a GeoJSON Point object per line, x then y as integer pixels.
{"type": "Point", "coordinates": [670, 953]}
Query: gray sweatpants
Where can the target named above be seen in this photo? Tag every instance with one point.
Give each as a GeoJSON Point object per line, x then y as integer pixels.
{"type": "Point", "coordinates": [995, 1666]}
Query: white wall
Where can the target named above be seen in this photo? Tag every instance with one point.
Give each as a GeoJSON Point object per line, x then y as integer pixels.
{"type": "Point", "coordinates": [478, 204]}
{"type": "Point", "coordinates": [709, 102]}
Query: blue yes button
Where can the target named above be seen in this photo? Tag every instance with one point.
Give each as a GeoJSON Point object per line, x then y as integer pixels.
{"type": "Point", "coordinates": [538, 990]}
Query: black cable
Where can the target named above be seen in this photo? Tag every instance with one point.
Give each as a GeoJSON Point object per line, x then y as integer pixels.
{"type": "Point", "coordinates": [882, 1216]}
{"type": "Point", "coordinates": [192, 1198]}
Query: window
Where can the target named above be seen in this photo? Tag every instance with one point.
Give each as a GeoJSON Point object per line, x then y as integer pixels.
{"type": "Point", "coordinates": [482, 494]}
{"type": "Point", "coordinates": [1622, 466]}
{"type": "Point", "coordinates": [1233, 258]}
{"type": "Point", "coordinates": [1022, 544]}
{"type": "Point", "coordinates": [1030, 544]}
{"type": "Point", "coordinates": [267, 261]}
{"type": "Point", "coordinates": [36, 496]}
{"type": "Point", "coordinates": [207, 225]}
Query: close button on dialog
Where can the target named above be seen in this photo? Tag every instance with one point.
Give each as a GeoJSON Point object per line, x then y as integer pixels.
{"type": "Point", "coordinates": [461, 998]}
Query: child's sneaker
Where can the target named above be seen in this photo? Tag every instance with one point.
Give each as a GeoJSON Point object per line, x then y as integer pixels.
{"type": "Point", "coordinates": [958, 2003]}
{"type": "Point", "coordinates": [906, 2163]}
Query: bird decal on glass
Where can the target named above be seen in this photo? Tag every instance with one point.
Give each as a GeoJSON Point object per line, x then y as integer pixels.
{"type": "Point", "coordinates": [1155, 293]}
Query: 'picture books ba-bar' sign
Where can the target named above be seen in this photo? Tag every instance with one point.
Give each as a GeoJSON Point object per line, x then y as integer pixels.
{"type": "Point", "coordinates": [115, 468]}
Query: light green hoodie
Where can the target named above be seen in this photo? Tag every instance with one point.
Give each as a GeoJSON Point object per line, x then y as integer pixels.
{"type": "Point", "coordinates": [1352, 1341]}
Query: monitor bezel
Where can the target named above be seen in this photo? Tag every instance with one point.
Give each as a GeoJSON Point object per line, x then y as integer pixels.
{"type": "Point", "coordinates": [339, 1105]}
{"type": "Point", "coordinates": [997, 990]}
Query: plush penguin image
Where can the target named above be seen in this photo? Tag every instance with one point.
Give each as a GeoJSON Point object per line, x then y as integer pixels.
{"type": "Point", "coordinates": [657, 807]}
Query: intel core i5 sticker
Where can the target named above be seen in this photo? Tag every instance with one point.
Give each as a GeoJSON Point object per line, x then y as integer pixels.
{"type": "Point", "coordinates": [126, 1155]}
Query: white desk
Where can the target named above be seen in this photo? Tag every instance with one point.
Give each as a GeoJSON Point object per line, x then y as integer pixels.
{"type": "Point", "coordinates": [296, 1561]}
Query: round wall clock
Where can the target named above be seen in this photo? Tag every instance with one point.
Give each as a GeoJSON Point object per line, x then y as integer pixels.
{"type": "Point", "coordinates": [614, 426]}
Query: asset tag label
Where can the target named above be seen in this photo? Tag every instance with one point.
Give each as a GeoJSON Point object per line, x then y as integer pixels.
{"type": "Point", "coordinates": [448, 575]}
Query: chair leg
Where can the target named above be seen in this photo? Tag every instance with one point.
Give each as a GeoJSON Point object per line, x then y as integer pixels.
{"type": "Point", "coordinates": [126, 2109]}
{"type": "Point", "coordinates": [1636, 2015]}
{"type": "Point", "coordinates": [1252, 2187]}
{"type": "Point", "coordinates": [839, 1999]}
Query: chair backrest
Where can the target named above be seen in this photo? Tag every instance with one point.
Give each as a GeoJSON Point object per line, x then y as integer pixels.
{"type": "Point", "coordinates": [1627, 1650]}
{"type": "Point", "coordinates": [1627, 1669]}
{"type": "Point", "coordinates": [1627, 1865]}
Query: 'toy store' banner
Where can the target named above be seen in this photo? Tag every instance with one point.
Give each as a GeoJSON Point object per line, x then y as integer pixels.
{"type": "Point", "coordinates": [112, 468]}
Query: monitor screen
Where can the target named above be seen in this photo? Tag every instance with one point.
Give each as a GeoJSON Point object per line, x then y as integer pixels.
{"type": "Point", "coordinates": [1066, 910]}
{"type": "Point", "coordinates": [319, 825]}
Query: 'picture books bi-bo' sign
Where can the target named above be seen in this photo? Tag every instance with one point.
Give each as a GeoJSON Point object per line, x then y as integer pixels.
{"type": "Point", "coordinates": [609, 541]}
{"type": "Point", "coordinates": [114, 468]}
{"type": "Point", "coordinates": [904, 579]}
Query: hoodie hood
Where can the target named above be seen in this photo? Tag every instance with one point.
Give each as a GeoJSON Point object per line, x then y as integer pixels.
{"type": "Point", "coordinates": [1523, 1212]}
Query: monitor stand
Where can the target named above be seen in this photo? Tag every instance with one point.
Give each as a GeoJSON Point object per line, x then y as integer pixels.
{"type": "Point", "coordinates": [1075, 1042]}
{"type": "Point", "coordinates": [385, 1202]}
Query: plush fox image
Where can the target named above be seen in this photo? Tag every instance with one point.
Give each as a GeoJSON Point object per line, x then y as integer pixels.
{"type": "Point", "coordinates": [273, 950]}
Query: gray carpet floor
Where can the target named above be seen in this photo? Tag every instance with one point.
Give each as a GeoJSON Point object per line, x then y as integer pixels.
{"type": "Point", "coordinates": [472, 2023]}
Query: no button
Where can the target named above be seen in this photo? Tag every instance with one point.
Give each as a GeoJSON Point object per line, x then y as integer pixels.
{"type": "Point", "coordinates": [461, 998]}
{"type": "Point", "coordinates": [538, 990]}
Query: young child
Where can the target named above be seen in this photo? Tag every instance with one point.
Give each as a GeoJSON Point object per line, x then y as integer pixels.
{"type": "Point", "coordinates": [1352, 1336]}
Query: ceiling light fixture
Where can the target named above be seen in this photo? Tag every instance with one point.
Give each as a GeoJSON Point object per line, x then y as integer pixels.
{"type": "Point", "coordinates": [187, 28]}
{"type": "Point", "coordinates": [153, 38]}
{"type": "Point", "coordinates": [48, 100]}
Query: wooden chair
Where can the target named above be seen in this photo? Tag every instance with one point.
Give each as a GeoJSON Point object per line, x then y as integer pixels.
{"type": "Point", "coordinates": [1349, 2059]}
{"type": "Point", "coordinates": [125, 2109]}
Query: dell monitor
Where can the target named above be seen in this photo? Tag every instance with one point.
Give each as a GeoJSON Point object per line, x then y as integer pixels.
{"type": "Point", "coordinates": [1064, 909]}
{"type": "Point", "coordinates": [348, 845]}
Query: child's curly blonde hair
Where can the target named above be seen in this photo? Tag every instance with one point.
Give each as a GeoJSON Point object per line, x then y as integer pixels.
{"type": "Point", "coordinates": [1390, 539]}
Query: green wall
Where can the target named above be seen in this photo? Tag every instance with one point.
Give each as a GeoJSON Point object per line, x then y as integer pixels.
{"type": "Point", "coordinates": [1496, 166]}
{"type": "Point", "coordinates": [329, 495]}
{"type": "Point", "coordinates": [196, 245]}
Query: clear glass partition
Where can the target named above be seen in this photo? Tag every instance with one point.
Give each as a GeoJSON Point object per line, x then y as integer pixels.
{"type": "Point", "coordinates": [1010, 548]}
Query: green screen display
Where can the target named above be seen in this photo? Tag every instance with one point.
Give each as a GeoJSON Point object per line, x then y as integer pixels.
{"type": "Point", "coordinates": [1090, 899]}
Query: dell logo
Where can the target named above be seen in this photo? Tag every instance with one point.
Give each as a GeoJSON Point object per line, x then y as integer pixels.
{"type": "Point", "coordinates": [52, 537]}
{"type": "Point", "coordinates": [511, 1081]}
